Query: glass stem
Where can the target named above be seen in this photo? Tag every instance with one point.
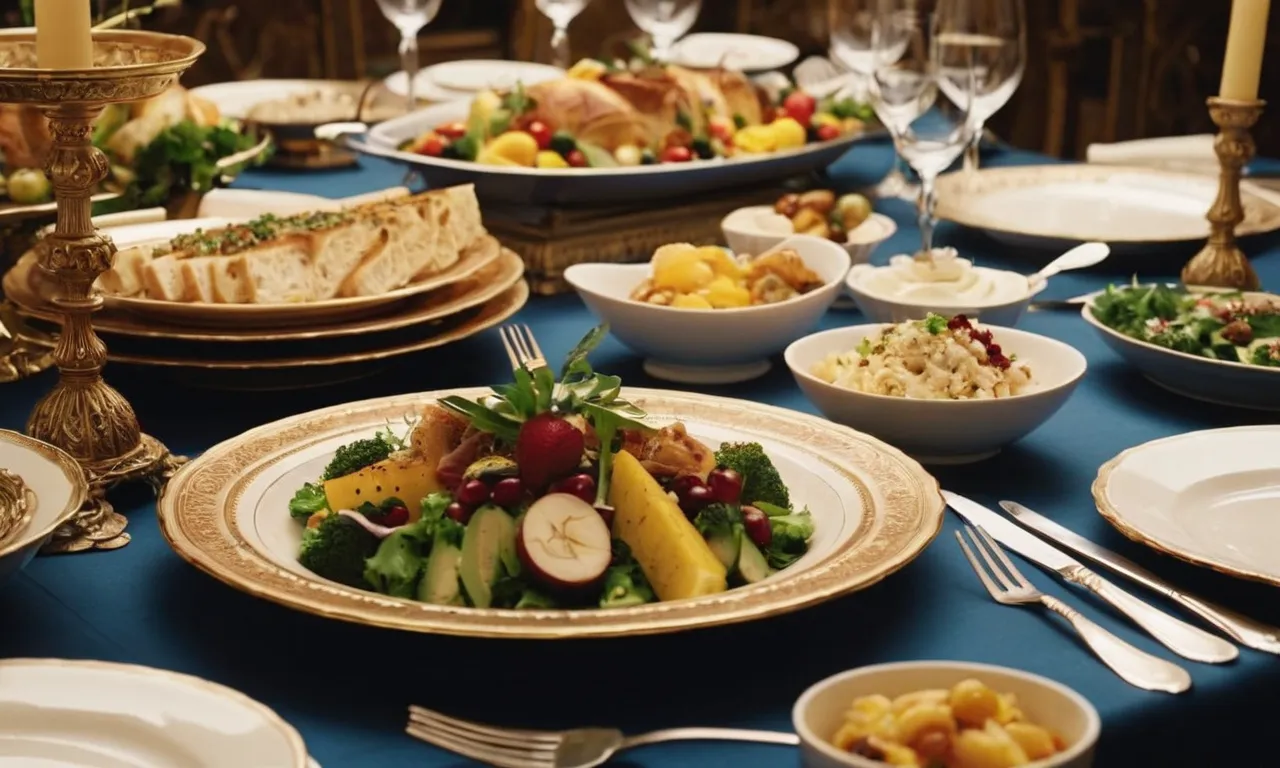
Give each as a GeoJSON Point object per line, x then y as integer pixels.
{"type": "Point", "coordinates": [662, 48]}
{"type": "Point", "coordinates": [560, 47]}
{"type": "Point", "coordinates": [972, 153]}
{"type": "Point", "coordinates": [409, 63]}
{"type": "Point", "coordinates": [928, 205]}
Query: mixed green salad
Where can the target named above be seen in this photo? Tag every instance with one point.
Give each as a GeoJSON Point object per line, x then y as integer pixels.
{"type": "Point", "coordinates": [547, 494]}
{"type": "Point", "coordinates": [1233, 327]}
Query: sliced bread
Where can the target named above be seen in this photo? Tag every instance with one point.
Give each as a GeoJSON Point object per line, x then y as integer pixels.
{"type": "Point", "coordinates": [163, 278]}
{"type": "Point", "coordinates": [406, 251]}
{"type": "Point", "coordinates": [197, 276]}
{"type": "Point", "coordinates": [337, 251]}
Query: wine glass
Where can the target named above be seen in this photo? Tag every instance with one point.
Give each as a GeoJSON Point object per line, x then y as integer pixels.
{"type": "Point", "coordinates": [860, 41]}
{"type": "Point", "coordinates": [665, 21]}
{"type": "Point", "coordinates": [561, 13]}
{"type": "Point", "coordinates": [409, 16]}
{"type": "Point", "coordinates": [989, 38]}
{"type": "Point", "coordinates": [931, 126]}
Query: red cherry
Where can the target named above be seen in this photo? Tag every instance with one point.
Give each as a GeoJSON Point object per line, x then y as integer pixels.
{"type": "Point", "coordinates": [725, 485]}
{"type": "Point", "coordinates": [583, 486]}
{"type": "Point", "coordinates": [757, 526]}
{"type": "Point", "coordinates": [457, 512]}
{"type": "Point", "coordinates": [473, 493]}
{"type": "Point", "coordinates": [695, 499]}
{"type": "Point", "coordinates": [507, 492]}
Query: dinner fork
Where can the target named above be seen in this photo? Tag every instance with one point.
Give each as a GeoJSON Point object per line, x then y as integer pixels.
{"type": "Point", "coordinates": [1134, 666]}
{"type": "Point", "coordinates": [577, 748]}
{"type": "Point", "coordinates": [522, 348]}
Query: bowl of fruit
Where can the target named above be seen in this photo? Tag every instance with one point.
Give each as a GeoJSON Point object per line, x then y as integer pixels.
{"type": "Point", "coordinates": [706, 315]}
{"type": "Point", "coordinates": [847, 220]}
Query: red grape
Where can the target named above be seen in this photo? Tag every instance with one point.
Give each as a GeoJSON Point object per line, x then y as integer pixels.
{"type": "Point", "coordinates": [507, 492]}
{"type": "Point", "coordinates": [458, 513]}
{"type": "Point", "coordinates": [473, 493]}
{"type": "Point", "coordinates": [694, 499]}
{"type": "Point", "coordinates": [757, 526]}
{"type": "Point", "coordinates": [608, 514]}
{"type": "Point", "coordinates": [725, 485]}
{"type": "Point", "coordinates": [582, 486]}
{"type": "Point", "coordinates": [681, 485]}
{"type": "Point", "coordinates": [395, 516]}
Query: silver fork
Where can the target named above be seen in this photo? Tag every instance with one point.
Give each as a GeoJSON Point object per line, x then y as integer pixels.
{"type": "Point", "coordinates": [577, 748]}
{"type": "Point", "coordinates": [522, 348]}
{"type": "Point", "coordinates": [1134, 666]}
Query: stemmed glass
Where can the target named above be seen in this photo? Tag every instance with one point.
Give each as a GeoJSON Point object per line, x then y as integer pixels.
{"type": "Point", "coordinates": [931, 126]}
{"type": "Point", "coordinates": [860, 42]}
{"type": "Point", "coordinates": [989, 39]}
{"type": "Point", "coordinates": [665, 21]}
{"type": "Point", "coordinates": [409, 16]}
{"type": "Point", "coordinates": [561, 13]}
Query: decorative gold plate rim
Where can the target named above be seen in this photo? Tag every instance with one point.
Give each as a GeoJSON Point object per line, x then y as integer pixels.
{"type": "Point", "coordinates": [197, 512]}
{"type": "Point", "coordinates": [954, 189]}
{"type": "Point", "coordinates": [17, 505]}
{"type": "Point", "coordinates": [1117, 520]}
{"type": "Point", "coordinates": [75, 476]}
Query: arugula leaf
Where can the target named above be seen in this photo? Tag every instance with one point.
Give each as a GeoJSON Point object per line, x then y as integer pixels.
{"type": "Point", "coordinates": [576, 362]}
{"type": "Point", "coordinates": [484, 419]}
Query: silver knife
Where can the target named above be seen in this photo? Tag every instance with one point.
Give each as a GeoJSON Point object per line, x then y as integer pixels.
{"type": "Point", "coordinates": [1242, 629]}
{"type": "Point", "coordinates": [1175, 634]}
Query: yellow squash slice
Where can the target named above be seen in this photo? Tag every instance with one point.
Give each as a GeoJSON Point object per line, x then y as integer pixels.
{"type": "Point", "coordinates": [406, 479]}
{"type": "Point", "coordinates": [673, 555]}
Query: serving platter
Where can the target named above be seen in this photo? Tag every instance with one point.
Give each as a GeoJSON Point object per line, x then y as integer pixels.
{"type": "Point", "coordinates": [586, 185]}
{"type": "Point", "coordinates": [746, 53]}
{"type": "Point", "coordinates": [874, 510]}
{"type": "Point", "coordinates": [1206, 497]}
{"type": "Point", "coordinates": [1057, 205]}
{"type": "Point", "coordinates": [462, 79]}
{"type": "Point", "coordinates": [65, 712]}
{"type": "Point", "coordinates": [1200, 378]}
{"type": "Point", "coordinates": [58, 488]}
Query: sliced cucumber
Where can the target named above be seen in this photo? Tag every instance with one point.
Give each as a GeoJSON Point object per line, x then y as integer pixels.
{"type": "Point", "coordinates": [726, 544]}
{"type": "Point", "coordinates": [752, 566]}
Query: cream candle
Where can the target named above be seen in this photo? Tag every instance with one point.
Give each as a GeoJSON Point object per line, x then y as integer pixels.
{"type": "Point", "coordinates": [1242, 65]}
{"type": "Point", "coordinates": [63, 37]}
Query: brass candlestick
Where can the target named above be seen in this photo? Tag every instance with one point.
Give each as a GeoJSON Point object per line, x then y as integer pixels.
{"type": "Point", "coordinates": [83, 415]}
{"type": "Point", "coordinates": [1221, 263]}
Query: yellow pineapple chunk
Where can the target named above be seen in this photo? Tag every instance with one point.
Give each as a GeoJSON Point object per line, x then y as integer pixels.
{"type": "Point", "coordinates": [405, 479]}
{"type": "Point", "coordinates": [724, 293]}
{"type": "Point", "coordinates": [670, 551]}
{"type": "Point", "coordinates": [690, 301]}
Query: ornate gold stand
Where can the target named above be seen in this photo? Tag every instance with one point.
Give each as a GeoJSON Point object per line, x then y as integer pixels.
{"type": "Point", "coordinates": [1221, 263]}
{"type": "Point", "coordinates": [83, 415]}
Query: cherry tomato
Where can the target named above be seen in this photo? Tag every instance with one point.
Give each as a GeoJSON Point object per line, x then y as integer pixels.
{"type": "Point", "coordinates": [722, 129]}
{"type": "Point", "coordinates": [828, 132]}
{"type": "Point", "coordinates": [432, 146]}
{"type": "Point", "coordinates": [452, 130]}
{"type": "Point", "coordinates": [676, 155]}
{"type": "Point", "coordinates": [541, 133]}
{"type": "Point", "coordinates": [800, 106]}
{"type": "Point", "coordinates": [576, 159]}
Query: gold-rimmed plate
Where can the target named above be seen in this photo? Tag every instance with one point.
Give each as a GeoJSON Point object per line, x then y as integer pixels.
{"type": "Point", "coordinates": [487, 283]}
{"type": "Point", "coordinates": [874, 510]}
{"type": "Point", "coordinates": [58, 487]}
{"type": "Point", "coordinates": [26, 286]}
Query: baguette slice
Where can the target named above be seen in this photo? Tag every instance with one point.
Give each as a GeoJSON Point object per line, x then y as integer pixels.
{"type": "Point", "coordinates": [230, 281]}
{"type": "Point", "coordinates": [463, 218]}
{"type": "Point", "coordinates": [445, 247]}
{"type": "Point", "coordinates": [197, 274]}
{"type": "Point", "coordinates": [280, 273]}
{"type": "Point", "coordinates": [163, 278]}
{"type": "Point", "coordinates": [406, 251]}
{"type": "Point", "coordinates": [338, 251]}
{"type": "Point", "coordinates": [125, 276]}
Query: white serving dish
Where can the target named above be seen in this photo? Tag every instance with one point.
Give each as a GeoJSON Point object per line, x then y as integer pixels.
{"type": "Point", "coordinates": [586, 185]}
{"type": "Point", "coordinates": [712, 346]}
{"type": "Point", "coordinates": [1201, 378]}
{"type": "Point", "coordinates": [744, 235]}
{"type": "Point", "coordinates": [943, 431]}
{"type": "Point", "coordinates": [820, 710]}
{"type": "Point", "coordinates": [744, 53]}
{"type": "Point", "coordinates": [1207, 497]}
{"type": "Point", "coordinates": [93, 714]}
{"type": "Point", "coordinates": [881, 309]}
{"type": "Point", "coordinates": [462, 79]}
{"type": "Point", "coordinates": [60, 489]}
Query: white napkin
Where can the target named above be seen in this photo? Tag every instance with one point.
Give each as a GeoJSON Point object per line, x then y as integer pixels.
{"type": "Point", "coordinates": [1189, 154]}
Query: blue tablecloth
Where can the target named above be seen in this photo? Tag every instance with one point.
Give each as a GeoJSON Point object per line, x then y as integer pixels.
{"type": "Point", "coordinates": [346, 687]}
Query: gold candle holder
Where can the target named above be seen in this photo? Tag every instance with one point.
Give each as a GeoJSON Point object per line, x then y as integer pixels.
{"type": "Point", "coordinates": [83, 415]}
{"type": "Point", "coordinates": [1221, 263]}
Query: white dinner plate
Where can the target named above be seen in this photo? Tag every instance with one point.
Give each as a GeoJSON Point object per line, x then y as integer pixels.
{"type": "Point", "coordinates": [874, 510]}
{"type": "Point", "coordinates": [1055, 205]}
{"type": "Point", "coordinates": [1210, 498]}
{"type": "Point", "coordinates": [1201, 378]}
{"type": "Point", "coordinates": [92, 714]}
{"type": "Point", "coordinates": [745, 53]}
{"type": "Point", "coordinates": [462, 79]}
{"type": "Point", "coordinates": [234, 99]}
{"type": "Point", "coordinates": [60, 488]}
{"type": "Point", "coordinates": [586, 185]}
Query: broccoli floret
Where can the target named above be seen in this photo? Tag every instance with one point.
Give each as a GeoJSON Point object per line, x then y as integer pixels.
{"type": "Point", "coordinates": [354, 457]}
{"type": "Point", "coordinates": [717, 519]}
{"type": "Point", "coordinates": [760, 479]}
{"type": "Point", "coordinates": [307, 501]}
{"type": "Point", "coordinates": [531, 599]}
{"type": "Point", "coordinates": [791, 534]}
{"type": "Point", "coordinates": [624, 582]}
{"type": "Point", "coordinates": [337, 549]}
{"type": "Point", "coordinates": [401, 557]}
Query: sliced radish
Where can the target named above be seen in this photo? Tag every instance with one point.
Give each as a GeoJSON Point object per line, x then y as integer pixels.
{"type": "Point", "coordinates": [564, 542]}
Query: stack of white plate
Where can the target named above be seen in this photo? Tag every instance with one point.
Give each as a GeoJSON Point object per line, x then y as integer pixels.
{"type": "Point", "coordinates": [463, 79]}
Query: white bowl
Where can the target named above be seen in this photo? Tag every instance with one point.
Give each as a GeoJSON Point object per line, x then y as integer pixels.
{"type": "Point", "coordinates": [60, 488]}
{"type": "Point", "coordinates": [744, 235]}
{"type": "Point", "coordinates": [820, 710]}
{"type": "Point", "coordinates": [885, 310]}
{"type": "Point", "coordinates": [709, 346]}
{"type": "Point", "coordinates": [942, 431]}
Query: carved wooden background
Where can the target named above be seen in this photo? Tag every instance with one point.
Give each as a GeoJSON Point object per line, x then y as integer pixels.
{"type": "Point", "coordinates": [1099, 70]}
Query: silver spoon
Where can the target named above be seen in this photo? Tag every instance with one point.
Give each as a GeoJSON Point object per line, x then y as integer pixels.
{"type": "Point", "coordinates": [1080, 257]}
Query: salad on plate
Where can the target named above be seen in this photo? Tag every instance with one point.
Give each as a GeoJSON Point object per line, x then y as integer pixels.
{"type": "Point", "coordinates": [550, 492]}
